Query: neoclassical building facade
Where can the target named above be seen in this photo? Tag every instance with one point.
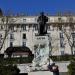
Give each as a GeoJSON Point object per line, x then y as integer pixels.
{"type": "Point", "coordinates": [23, 31]}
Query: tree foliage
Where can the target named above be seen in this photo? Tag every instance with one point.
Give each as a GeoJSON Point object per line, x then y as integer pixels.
{"type": "Point", "coordinates": [9, 70]}
{"type": "Point", "coordinates": [71, 68]}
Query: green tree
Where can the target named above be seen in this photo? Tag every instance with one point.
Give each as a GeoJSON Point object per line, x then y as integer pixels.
{"type": "Point", "coordinates": [71, 68]}
{"type": "Point", "coordinates": [9, 70]}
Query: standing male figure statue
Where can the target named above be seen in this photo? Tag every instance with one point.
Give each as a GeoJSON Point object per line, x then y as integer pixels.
{"type": "Point", "coordinates": [42, 19]}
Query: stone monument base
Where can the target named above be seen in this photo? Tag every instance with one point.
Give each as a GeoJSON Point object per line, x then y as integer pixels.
{"type": "Point", "coordinates": [40, 73]}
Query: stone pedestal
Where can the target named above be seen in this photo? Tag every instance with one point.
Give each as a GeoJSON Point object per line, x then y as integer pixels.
{"type": "Point", "coordinates": [41, 52]}
{"type": "Point", "coordinates": [40, 73]}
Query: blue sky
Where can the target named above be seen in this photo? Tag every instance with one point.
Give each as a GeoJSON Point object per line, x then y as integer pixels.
{"type": "Point", "coordinates": [36, 6]}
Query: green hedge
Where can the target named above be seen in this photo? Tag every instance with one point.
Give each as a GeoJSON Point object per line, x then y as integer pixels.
{"type": "Point", "coordinates": [63, 58]}
{"type": "Point", "coordinates": [19, 60]}
{"type": "Point", "coordinates": [22, 60]}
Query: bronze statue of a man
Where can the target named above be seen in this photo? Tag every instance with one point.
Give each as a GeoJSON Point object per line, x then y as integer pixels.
{"type": "Point", "coordinates": [42, 19]}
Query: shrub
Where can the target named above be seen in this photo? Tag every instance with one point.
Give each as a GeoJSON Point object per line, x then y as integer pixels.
{"type": "Point", "coordinates": [71, 68]}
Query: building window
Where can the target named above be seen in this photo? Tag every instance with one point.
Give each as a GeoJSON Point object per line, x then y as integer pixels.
{"type": "Point", "coordinates": [61, 40]}
{"type": "Point", "coordinates": [0, 43]}
{"type": "Point", "coordinates": [24, 44]}
{"type": "Point", "coordinates": [74, 43]}
{"type": "Point", "coordinates": [36, 34]}
{"type": "Point", "coordinates": [11, 36]}
{"type": "Point", "coordinates": [0, 36]}
{"type": "Point", "coordinates": [61, 35]}
{"type": "Point", "coordinates": [35, 27]}
{"type": "Point", "coordinates": [59, 19]}
{"type": "Point", "coordinates": [1, 27]}
{"type": "Point", "coordinates": [30, 25]}
{"type": "Point", "coordinates": [70, 19]}
{"type": "Point", "coordinates": [61, 44]}
{"type": "Point", "coordinates": [11, 28]}
{"type": "Point", "coordinates": [48, 27]}
{"type": "Point", "coordinates": [24, 36]}
{"type": "Point", "coordinates": [74, 52]}
{"type": "Point", "coordinates": [24, 20]}
{"type": "Point", "coordinates": [35, 19]}
{"type": "Point", "coordinates": [62, 52]}
{"type": "Point", "coordinates": [50, 53]}
{"type": "Point", "coordinates": [23, 27]}
{"type": "Point", "coordinates": [73, 36]}
{"type": "Point", "coordinates": [11, 44]}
